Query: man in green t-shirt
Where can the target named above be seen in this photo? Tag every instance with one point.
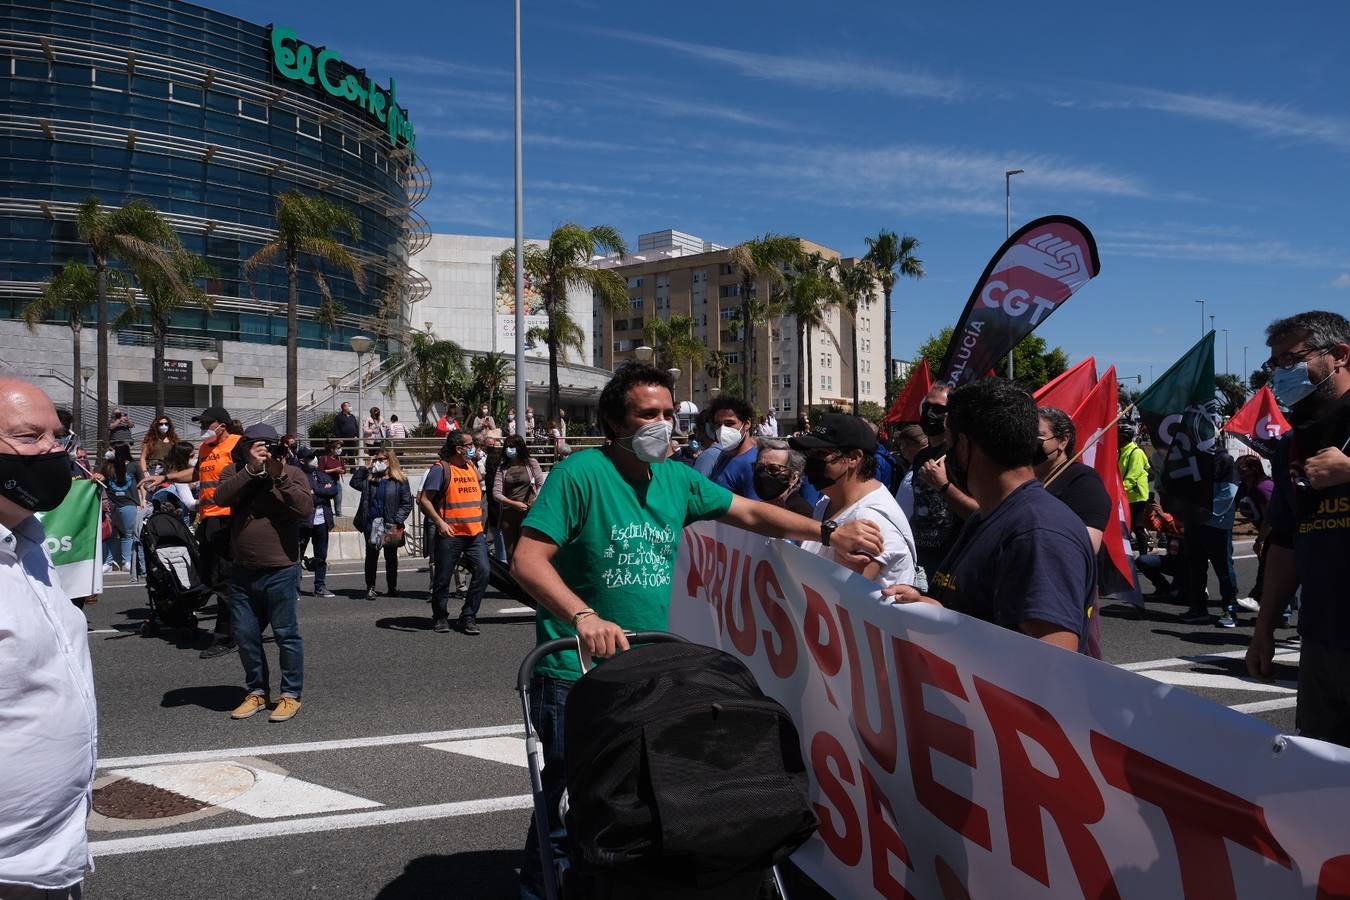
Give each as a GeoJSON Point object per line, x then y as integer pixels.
{"type": "Point", "coordinates": [598, 551]}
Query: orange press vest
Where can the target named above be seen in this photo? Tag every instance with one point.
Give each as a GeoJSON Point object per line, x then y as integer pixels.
{"type": "Point", "coordinates": [462, 502]}
{"type": "Point", "coordinates": [209, 470]}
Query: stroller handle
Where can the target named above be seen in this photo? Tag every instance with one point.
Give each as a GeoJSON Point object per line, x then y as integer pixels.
{"type": "Point", "coordinates": [570, 643]}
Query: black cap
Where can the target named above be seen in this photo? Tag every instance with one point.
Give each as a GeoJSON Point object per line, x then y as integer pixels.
{"type": "Point", "coordinates": [837, 431]}
{"type": "Point", "coordinates": [306, 453]}
{"type": "Point", "coordinates": [213, 414]}
{"type": "Point", "coordinates": [260, 432]}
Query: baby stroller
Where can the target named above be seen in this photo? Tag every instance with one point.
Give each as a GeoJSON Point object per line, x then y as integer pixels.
{"type": "Point", "coordinates": [172, 567]}
{"type": "Point", "coordinates": [683, 780]}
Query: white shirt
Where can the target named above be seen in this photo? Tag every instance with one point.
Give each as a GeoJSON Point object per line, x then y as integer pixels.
{"type": "Point", "coordinates": [769, 427]}
{"type": "Point", "coordinates": [396, 430]}
{"type": "Point", "coordinates": [48, 721]}
{"type": "Point", "coordinates": [185, 496]}
{"type": "Point", "coordinates": [880, 508]}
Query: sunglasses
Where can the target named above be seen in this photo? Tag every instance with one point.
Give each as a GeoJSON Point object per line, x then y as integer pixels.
{"type": "Point", "coordinates": [939, 408]}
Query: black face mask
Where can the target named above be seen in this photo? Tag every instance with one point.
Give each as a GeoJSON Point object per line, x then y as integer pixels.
{"type": "Point", "coordinates": [815, 473]}
{"type": "Point", "coordinates": [957, 474]}
{"type": "Point", "coordinates": [1039, 455]}
{"type": "Point", "coordinates": [933, 424]}
{"type": "Point", "coordinates": [37, 483]}
{"type": "Point", "coordinates": [769, 486]}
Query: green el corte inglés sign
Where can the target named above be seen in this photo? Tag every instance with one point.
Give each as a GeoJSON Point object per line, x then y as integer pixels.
{"type": "Point", "coordinates": [298, 61]}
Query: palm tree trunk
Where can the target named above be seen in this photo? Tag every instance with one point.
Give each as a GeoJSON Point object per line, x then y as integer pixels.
{"type": "Point", "coordinates": [801, 375]}
{"type": "Point", "coordinates": [101, 338]}
{"type": "Point", "coordinates": [747, 285]}
{"type": "Point", "coordinates": [159, 337]}
{"type": "Point", "coordinates": [810, 385]}
{"type": "Point", "coordinates": [554, 392]}
{"type": "Point", "coordinates": [886, 356]}
{"type": "Point", "coordinates": [76, 378]}
{"type": "Point", "coordinates": [293, 344]}
{"type": "Point", "coordinates": [853, 325]}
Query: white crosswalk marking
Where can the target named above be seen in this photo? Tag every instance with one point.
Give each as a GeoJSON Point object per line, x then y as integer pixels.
{"type": "Point", "coordinates": [510, 750]}
{"type": "Point", "coordinates": [252, 791]}
{"type": "Point", "coordinates": [1220, 680]}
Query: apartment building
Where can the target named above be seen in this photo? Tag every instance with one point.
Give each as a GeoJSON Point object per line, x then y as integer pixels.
{"type": "Point", "coordinates": [673, 273]}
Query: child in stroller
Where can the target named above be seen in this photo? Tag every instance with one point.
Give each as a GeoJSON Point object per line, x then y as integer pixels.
{"type": "Point", "coordinates": [172, 566]}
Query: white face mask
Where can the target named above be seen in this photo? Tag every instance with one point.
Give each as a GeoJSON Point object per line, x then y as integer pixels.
{"type": "Point", "coordinates": [728, 438]}
{"type": "Point", "coordinates": [163, 429]}
{"type": "Point", "coordinates": [379, 467]}
{"type": "Point", "coordinates": [192, 463]}
{"type": "Point", "coordinates": [108, 454]}
{"type": "Point", "coordinates": [651, 442]}
{"type": "Point", "coordinates": [207, 435]}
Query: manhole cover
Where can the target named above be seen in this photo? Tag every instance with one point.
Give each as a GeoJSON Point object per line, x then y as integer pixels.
{"type": "Point", "coordinates": [127, 799]}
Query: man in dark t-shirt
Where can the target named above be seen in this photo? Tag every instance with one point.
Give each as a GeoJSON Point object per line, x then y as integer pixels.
{"type": "Point", "coordinates": [1023, 560]}
{"type": "Point", "coordinates": [939, 506]}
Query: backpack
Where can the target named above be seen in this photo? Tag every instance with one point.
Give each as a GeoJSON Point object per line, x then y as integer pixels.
{"type": "Point", "coordinates": [680, 769]}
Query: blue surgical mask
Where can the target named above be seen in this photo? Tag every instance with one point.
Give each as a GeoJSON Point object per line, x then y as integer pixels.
{"type": "Point", "coordinates": [510, 452]}
{"type": "Point", "coordinates": [471, 453]}
{"type": "Point", "coordinates": [1293, 384]}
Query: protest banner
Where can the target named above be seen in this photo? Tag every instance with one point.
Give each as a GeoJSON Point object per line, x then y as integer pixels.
{"type": "Point", "coordinates": [1035, 271]}
{"type": "Point", "coordinates": [952, 758]}
{"type": "Point", "coordinates": [1260, 422]}
{"type": "Point", "coordinates": [75, 539]}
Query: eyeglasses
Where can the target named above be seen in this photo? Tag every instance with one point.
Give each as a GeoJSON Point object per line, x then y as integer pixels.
{"type": "Point", "coordinates": [52, 442]}
{"type": "Point", "coordinates": [773, 471]}
{"type": "Point", "coordinates": [1292, 358]}
{"type": "Point", "coordinates": [938, 408]}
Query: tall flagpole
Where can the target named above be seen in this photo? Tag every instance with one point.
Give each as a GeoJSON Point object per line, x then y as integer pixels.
{"type": "Point", "coordinates": [522, 388]}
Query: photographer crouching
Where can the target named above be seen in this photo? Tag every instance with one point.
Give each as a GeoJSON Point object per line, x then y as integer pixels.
{"type": "Point", "coordinates": [269, 498]}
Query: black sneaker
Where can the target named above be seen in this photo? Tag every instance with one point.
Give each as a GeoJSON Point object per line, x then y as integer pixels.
{"type": "Point", "coordinates": [469, 626]}
{"type": "Point", "coordinates": [1195, 617]}
{"type": "Point", "coordinates": [370, 593]}
{"type": "Point", "coordinates": [218, 648]}
{"type": "Point", "coordinates": [441, 626]}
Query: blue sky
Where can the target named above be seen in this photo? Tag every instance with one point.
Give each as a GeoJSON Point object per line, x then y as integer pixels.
{"type": "Point", "coordinates": [1205, 145]}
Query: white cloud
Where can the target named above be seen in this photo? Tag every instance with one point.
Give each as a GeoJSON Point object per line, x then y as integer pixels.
{"type": "Point", "coordinates": [1341, 281]}
{"type": "Point", "coordinates": [1276, 120]}
{"type": "Point", "coordinates": [814, 72]}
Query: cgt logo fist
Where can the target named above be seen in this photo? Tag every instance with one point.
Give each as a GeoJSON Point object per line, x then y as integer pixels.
{"type": "Point", "coordinates": [1050, 255]}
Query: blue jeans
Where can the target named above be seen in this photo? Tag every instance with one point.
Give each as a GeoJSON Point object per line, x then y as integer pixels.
{"type": "Point", "coordinates": [449, 550]}
{"type": "Point", "coordinates": [118, 547]}
{"type": "Point", "coordinates": [548, 700]}
{"type": "Point", "coordinates": [258, 597]}
{"type": "Point", "coordinates": [319, 535]}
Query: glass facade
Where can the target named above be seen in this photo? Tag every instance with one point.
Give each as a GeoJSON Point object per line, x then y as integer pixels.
{"type": "Point", "coordinates": [181, 106]}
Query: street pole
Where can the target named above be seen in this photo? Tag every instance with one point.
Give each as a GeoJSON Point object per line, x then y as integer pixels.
{"type": "Point", "coordinates": [1226, 369]}
{"type": "Point", "coordinates": [1246, 373]}
{"type": "Point", "coordinates": [1007, 227]}
{"type": "Point", "coordinates": [522, 387]}
{"type": "Point", "coordinates": [1202, 317]}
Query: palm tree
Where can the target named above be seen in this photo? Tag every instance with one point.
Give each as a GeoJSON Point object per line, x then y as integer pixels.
{"type": "Point", "coordinates": [490, 372]}
{"type": "Point", "coordinates": [892, 257]}
{"type": "Point", "coordinates": [135, 233]}
{"type": "Point", "coordinates": [857, 282]}
{"type": "Point", "coordinates": [674, 342]}
{"type": "Point", "coordinates": [69, 294]}
{"type": "Point", "coordinates": [717, 366]}
{"type": "Point", "coordinates": [306, 226]}
{"type": "Point", "coordinates": [432, 370]}
{"type": "Point", "coordinates": [760, 259]}
{"type": "Point", "coordinates": [812, 289]}
{"type": "Point", "coordinates": [163, 298]}
{"type": "Point", "coordinates": [563, 262]}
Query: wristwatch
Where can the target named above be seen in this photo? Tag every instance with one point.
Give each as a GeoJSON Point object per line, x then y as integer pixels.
{"type": "Point", "coordinates": [827, 528]}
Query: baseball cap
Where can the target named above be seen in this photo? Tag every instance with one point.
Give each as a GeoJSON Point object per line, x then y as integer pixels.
{"type": "Point", "coordinates": [306, 453]}
{"type": "Point", "coordinates": [261, 432]}
{"type": "Point", "coordinates": [837, 431]}
{"type": "Point", "coordinates": [213, 414]}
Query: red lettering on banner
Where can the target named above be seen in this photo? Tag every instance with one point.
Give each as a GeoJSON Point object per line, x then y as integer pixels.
{"type": "Point", "coordinates": [697, 556]}
{"type": "Point", "coordinates": [717, 586]}
{"type": "Point", "coordinates": [1071, 797]}
{"type": "Point", "coordinates": [882, 741]}
{"type": "Point", "coordinates": [840, 830]}
{"type": "Point", "coordinates": [1199, 814]}
{"type": "Point", "coordinates": [829, 656]}
{"type": "Point", "coordinates": [783, 657]}
{"type": "Point", "coordinates": [883, 840]}
{"type": "Point", "coordinates": [950, 882]}
{"type": "Point", "coordinates": [925, 732]}
{"type": "Point", "coordinates": [1333, 883]}
{"type": "Point", "coordinates": [743, 634]}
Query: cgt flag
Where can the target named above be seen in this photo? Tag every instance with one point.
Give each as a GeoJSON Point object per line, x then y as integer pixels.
{"type": "Point", "coordinates": [1259, 423]}
{"type": "Point", "coordinates": [1180, 410]}
{"type": "Point", "coordinates": [906, 406]}
{"type": "Point", "coordinates": [1034, 272]}
{"type": "Point", "coordinates": [1069, 389]}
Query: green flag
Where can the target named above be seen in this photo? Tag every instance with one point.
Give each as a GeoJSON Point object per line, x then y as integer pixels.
{"type": "Point", "coordinates": [1181, 412]}
{"type": "Point", "coordinates": [75, 539]}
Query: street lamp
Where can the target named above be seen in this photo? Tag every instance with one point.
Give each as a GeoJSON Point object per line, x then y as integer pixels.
{"type": "Point", "coordinates": [209, 363]}
{"type": "Point", "coordinates": [361, 346]}
{"type": "Point", "coordinates": [86, 372]}
{"type": "Point", "coordinates": [644, 354]}
{"type": "Point", "coordinates": [1246, 373]}
{"type": "Point", "coordinates": [1007, 220]}
{"type": "Point", "coordinates": [333, 382]}
{"type": "Point", "coordinates": [1226, 369]}
{"type": "Point", "coordinates": [1202, 317]}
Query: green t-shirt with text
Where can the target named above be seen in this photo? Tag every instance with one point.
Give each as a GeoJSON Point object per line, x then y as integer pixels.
{"type": "Point", "coordinates": [617, 542]}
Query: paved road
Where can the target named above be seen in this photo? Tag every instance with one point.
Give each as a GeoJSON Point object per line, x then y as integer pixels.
{"type": "Point", "coordinates": [403, 775]}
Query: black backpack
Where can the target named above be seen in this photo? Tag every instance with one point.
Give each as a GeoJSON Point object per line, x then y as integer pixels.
{"type": "Point", "coordinates": [679, 768]}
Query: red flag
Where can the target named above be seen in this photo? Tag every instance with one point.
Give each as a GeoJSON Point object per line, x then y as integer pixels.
{"type": "Point", "coordinates": [1070, 388]}
{"type": "Point", "coordinates": [1259, 423]}
{"type": "Point", "coordinates": [1096, 418]}
{"type": "Point", "coordinates": [906, 406]}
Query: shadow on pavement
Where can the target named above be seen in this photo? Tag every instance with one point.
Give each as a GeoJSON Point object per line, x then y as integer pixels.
{"type": "Point", "coordinates": [1133, 614]}
{"type": "Point", "coordinates": [1215, 638]}
{"type": "Point", "coordinates": [215, 697]}
{"type": "Point", "coordinates": [485, 873]}
{"type": "Point", "coordinates": [405, 623]}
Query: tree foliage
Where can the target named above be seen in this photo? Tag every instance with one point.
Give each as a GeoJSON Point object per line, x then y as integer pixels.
{"type": "Point", "coordinates": [892, 257]}
{"type": "Point", "coordinates": [433, 371]}
{"type": "Point", "coordinates": [762, 259]}
{"type": "Point", "coordinates": [164, 297]}
{"type": "Point", "coordinates": [1231, 393]}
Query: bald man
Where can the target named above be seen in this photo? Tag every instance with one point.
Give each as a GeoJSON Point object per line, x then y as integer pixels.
{"type": "Point", "coordinates": [48, 743]}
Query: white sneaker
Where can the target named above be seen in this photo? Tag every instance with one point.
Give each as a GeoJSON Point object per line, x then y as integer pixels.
{"type": "Point", "coordinates": [107, 567]}
{"type": "Point", "coordinates": [1249, 604]}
